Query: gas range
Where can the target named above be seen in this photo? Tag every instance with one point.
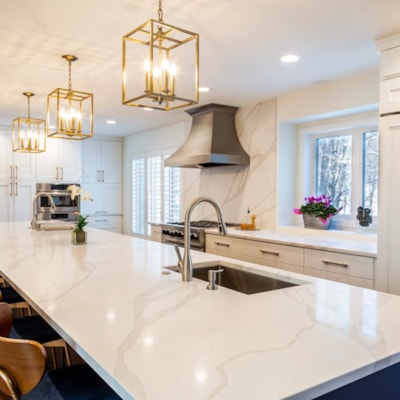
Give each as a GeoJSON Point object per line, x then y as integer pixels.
{"type": "Point", "coordinates": [173, 233]}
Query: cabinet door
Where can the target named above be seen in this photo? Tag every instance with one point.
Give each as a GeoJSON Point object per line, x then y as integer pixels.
{"type": "Point", "coordinates": [107, 199]}
{"type": "Point", "coordinates": [6, 201]}
{"type": "Point", "coordinates": [48, 162]}
{"type": "Point", "coordinates": [70, 160]}
{"type": "Point", "coordinates": [90, 150]}
{"type": "Point", "coordinates": [111, 161]}
{"type": "Point", "coordinates": [23, 197]}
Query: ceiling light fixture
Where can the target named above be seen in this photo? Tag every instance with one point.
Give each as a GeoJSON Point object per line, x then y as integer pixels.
{"type": "Point", "coordinates": [204, 89]}
{"type": "Point", "coordinates": [29, 134]}
{"type": "Point", "coordinates": [290, 58]}
{"type": "Point", "coordinates": [70, 111]}
{"type": "Point", "coordinates": [163, 70]}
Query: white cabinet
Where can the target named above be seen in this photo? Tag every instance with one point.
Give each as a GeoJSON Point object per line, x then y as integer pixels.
{"type": "Point", "coordinates": [112, 223]}
{"type": "Point", "coordinates": [102, 173]}
{"type": "Point", "coordinates": [60, 162]}
{"type": "Point", "coordinates": [17, 186]}
{"type": "Point", "coordinates": [106, 199]}
{"type": "Point", "coordinates": [389, 87]}
{"type": "Point", "coordinates": [102, 161]}
{"type": "Point", "coordinates": [340, 267]}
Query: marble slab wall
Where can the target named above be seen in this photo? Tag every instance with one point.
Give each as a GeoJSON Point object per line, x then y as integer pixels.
{"type": "Point", "coordinates": [237, 188]}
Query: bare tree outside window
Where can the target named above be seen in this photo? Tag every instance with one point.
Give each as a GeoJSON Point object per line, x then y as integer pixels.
{"type": "Point", "coordinates": [370, 170]}
{"type": "Point", "coordinates": [334, 170]}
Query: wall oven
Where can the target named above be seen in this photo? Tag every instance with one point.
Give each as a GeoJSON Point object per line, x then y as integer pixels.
{"type": "Point", "coordinates": [65, 209]}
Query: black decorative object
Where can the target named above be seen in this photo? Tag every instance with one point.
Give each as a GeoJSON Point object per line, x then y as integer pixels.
{"type": "Point", "coordinates": [364, 216]}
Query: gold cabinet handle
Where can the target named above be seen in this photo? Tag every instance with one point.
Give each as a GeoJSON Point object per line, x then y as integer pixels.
{"type": "Point", "coordinates": [274, 253]}
{"type": "Point", "coordinates": [339, 264]}
{"type": "Point", "coordinates": [222, 244]}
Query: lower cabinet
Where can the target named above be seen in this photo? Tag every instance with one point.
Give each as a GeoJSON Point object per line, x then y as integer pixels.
{"type": "Point", "coordinates": [112, 223]}
{"type": "Point", "coordinates": [289, 258]}
{"type": "Point", "coordinates": [340, 267]}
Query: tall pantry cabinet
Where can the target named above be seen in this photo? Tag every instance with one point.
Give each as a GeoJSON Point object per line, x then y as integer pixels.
{"type": "Point", "coordinates": [102, 178]}
{"type": "Point", "coordinates": [388, 271]}
{"type": "Point", "coordinates": [17, 182]}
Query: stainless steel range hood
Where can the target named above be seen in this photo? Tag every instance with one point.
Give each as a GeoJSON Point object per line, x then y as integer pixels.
{"type": "Point", "coordinates": [212, 140]}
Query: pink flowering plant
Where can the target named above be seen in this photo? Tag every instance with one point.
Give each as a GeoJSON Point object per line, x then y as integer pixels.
{"type": "Point", "coordinates": [320, 206]}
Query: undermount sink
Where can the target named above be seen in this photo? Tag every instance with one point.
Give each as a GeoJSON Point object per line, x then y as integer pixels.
{"type": "Point", "coordinates": [241, 280]}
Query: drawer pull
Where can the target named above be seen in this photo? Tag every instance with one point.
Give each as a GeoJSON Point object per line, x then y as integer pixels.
{"type": "Point", "coordinates": [274, 253]}
{"type": "Point", "coordinates": [222, 244]}
{"type": "Point", "coordinates": [339, 264]}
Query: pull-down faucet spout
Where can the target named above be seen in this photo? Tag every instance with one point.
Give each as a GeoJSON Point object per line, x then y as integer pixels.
{"type": "Point", "coordinates": [187, 266]}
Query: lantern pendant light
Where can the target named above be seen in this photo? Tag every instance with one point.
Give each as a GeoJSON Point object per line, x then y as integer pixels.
{"type": "Point", "coordinates": [70, 112]}
{"type": "Point", "coordinates": [160, 66]}
{"type": "Point", "coordinates": [29, 134]}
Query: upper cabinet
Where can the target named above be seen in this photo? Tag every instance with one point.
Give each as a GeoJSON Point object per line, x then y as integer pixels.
{"type": "Point", "coordinates": [14, 165]}
{"type": "Point", "coordinates": [101, 161]}
{"type": "Point", "coordinates": [389, 87]}
{"type": "Point", "coordinates": [61, 162]}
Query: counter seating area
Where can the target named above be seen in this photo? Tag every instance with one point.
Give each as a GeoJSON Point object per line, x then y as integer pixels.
{"type": "Point", "coordinates": [23, 371]}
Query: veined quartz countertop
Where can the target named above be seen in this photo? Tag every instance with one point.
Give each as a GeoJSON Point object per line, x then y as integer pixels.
{"type": "Point", "coordinates": [153, 337]}
{"type": "Point", "coordinates": [364, 245]}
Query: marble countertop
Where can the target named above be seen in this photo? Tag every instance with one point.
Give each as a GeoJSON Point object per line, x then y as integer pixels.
{"type": "Point", "coordinates": [153, 337]}
{"type": "Point", "coordinates": [343, 242]}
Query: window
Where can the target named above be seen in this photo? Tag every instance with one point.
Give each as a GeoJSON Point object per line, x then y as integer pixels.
{"type": "Point", "coordinates": [156, 192]}
{"type": "Point", "coordinates": [343, 164]}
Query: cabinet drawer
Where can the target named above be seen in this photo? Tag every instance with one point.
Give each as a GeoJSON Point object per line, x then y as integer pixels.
{"type": "Point", "coordinates": [339, 263]}
{"type": "Point", "coordinates": [351, 280]}
{"type": "Point", "coordinates": [275, 254]}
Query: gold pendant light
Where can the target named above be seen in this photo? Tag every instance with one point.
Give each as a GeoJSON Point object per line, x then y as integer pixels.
{"type": "Point", "coordinates": [29, 134]}
{"type": "Point", "coordinates": [70, 112]}
{"type": "Point", "coordinates": [163, 71]}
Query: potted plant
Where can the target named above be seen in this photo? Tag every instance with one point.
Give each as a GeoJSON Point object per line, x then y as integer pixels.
{"type": "Point", "coordinates": [317, 211]}
{"type": "Point", "coordinates": [79, 234]}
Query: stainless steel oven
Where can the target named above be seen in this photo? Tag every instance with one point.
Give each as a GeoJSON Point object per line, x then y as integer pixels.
{"type": "Point", "coordinates": [65, 207]}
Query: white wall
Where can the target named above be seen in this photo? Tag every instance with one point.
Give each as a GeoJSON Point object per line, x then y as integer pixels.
{"type": "Point", "coordinates": [265, 130]}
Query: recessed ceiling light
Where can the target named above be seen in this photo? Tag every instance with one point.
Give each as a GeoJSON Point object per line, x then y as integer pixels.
{"type": "Point", "coordinates": [111, 122]}
{"type": "Point", "coordinates": [204, 89]}
{"type": "Point", "coordinates": [147, 109]}
{"type": "Point", "coordinates": [290, 58]}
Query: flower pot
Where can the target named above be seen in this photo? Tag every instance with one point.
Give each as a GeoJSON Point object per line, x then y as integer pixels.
{"type": "Point", "coordinates": [78, 237]}
{"type": "Point", "coordinates": [313, 222]}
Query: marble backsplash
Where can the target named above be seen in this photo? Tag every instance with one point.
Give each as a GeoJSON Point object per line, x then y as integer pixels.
{"type": "Point", "coordinates": [237, 188]}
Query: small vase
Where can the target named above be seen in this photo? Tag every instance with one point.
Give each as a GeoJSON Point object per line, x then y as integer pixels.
{"type": "Point", "coordinates": [78, 237]}
{"type": "Point", "coordinates": [313, 222]}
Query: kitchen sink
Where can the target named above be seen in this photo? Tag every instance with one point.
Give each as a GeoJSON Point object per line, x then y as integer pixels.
{"type": "Point", "coordinates": [242, 280]}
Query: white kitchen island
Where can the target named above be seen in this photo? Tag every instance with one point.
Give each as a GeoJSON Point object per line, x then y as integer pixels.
{"type": "Point", "coordinates": [153, 337]}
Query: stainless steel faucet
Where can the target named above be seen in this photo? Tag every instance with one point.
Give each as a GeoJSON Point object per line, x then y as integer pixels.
{"type": "Point", "coordinates": [187, 266]}
{"type": "Point", "coordinates": [35, 208]}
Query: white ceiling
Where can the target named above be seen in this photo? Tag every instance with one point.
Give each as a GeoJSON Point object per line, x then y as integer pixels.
{"type": "Point", "coordinates": [240, 46]}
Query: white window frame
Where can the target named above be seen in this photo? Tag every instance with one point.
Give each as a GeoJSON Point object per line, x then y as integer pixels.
{"type": "Point", "coordinates": [355, 125]}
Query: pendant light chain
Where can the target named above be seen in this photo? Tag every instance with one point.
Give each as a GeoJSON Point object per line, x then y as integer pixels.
{"type": "Point", "coordinates": [29, 107]}
{"type": "Point", "coordinates": [69, 74]}
{"type": "Point", "coordinates": [160, 11]}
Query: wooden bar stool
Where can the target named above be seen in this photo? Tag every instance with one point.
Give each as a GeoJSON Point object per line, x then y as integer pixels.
{"type": "Point", "coordinates": [22, 368]}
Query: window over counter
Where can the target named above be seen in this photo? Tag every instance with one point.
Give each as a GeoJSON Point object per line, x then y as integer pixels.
{"type": "Point", "coordinates": [337, 157]}
{"type": "Point", "coordinates": [156, 192]}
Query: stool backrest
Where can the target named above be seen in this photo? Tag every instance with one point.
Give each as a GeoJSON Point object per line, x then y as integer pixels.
{"type": "Point", "coordinates": [23, 362]}
{"type": "Point", "coordinates": [5, 319]}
